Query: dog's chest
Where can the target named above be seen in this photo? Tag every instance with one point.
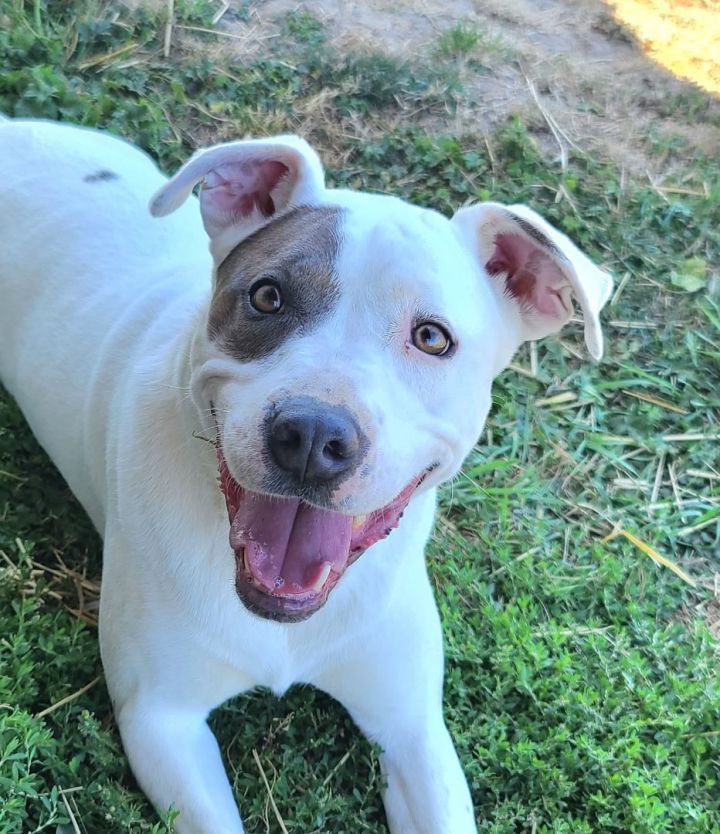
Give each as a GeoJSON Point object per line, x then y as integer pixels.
{"type": "Point", "coordinates": [277, 656]}
{"type": "Point", "coordinates": [251, 652]}
{"type": "Point", "coordinates": [274, 666]}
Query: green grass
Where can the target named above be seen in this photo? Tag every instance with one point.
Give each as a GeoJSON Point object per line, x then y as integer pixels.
{"type": "Point", "coordinates": [464, 40]}
{"type": "Point", "coordinates": [582, 677]}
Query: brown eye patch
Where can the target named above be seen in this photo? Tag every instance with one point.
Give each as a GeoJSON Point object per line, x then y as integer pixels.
{"type": "Point", "coordinates": [252, 315]}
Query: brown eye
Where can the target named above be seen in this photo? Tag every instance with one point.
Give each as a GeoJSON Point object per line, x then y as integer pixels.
{"type": "Point", "coordinates": [431, 338]}
{"type": "Point", "coordinates": [265, 297]}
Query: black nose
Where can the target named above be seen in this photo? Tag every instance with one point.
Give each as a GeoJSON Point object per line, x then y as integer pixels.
{"type": "Point", "coordinates": [314, 441]}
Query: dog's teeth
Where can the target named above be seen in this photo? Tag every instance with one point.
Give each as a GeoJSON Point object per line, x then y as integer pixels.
{"type": "Point", "coordinates": [358, 521]}
{"type": "Point", "coordinates": [322, 577]}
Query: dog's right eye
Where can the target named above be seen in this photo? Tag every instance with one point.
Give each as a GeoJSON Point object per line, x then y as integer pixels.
{"type": "Point", "coordinates": [265, 297]}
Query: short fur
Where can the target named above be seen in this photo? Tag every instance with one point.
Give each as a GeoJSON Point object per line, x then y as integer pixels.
{"type": "Point", "coordinates": [120, 357]}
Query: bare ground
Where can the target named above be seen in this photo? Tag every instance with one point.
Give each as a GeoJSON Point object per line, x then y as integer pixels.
{"type": "Point", "coordinates": [571, 69]}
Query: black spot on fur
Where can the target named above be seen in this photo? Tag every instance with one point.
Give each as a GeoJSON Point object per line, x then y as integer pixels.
{"type": "Point", "coordinates": [101, 176]}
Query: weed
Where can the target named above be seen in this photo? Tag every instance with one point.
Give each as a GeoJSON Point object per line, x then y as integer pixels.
{"type": "Point", "coordinates": [463, 40]}
{"type": "Point", "coordinates": [305, 28]}
{"type": "Point", "coordinates": [458, 40]}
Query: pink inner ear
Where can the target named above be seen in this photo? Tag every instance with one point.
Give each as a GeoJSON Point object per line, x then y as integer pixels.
{"type": "Point", "coordinates": [531, 274]}
{"type": "Point", "coordinates": [235, 189]}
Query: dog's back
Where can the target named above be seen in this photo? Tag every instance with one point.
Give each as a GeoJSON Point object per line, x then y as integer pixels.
{"type": "Point", "coordinates": [85, 274]}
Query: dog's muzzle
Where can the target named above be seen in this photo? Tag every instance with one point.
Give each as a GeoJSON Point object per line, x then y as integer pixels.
{"type": "Point", "coordinates": [291, 547]}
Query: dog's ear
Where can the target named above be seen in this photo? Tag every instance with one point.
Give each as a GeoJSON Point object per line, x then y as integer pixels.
{"type": "Point", "coordinates": [536, 270]}
{"type": "Point", "coordinates": [243, 184]}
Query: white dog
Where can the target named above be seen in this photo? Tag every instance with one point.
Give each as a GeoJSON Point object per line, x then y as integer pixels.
{"type": "Point", "coordinates": [338, 350]}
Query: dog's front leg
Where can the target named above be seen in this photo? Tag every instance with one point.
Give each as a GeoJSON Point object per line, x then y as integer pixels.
{"type": "Point", "coordinates": [177, 763]}
{"type": "Point", "coordinates": [391, 682]}
{"type": "Point", "coordinates": [426, 790]}
{"type": "Point", "coordinates": [163, 683]}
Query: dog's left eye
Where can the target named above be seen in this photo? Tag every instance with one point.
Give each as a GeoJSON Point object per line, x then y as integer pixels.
{"type": "Point", "coordinates": [432, 338]}
{"type": "Point", "coordinates": [265, 297]}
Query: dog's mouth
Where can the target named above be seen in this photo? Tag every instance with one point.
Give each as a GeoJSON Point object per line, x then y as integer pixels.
{"type": "Point", "coordinates": [289, 554]}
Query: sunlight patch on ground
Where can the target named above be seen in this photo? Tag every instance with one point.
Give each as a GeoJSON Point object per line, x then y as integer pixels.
{"type": "Point", "coordinates": [682, 35]}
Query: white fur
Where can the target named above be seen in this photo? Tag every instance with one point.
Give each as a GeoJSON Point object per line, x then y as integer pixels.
{"type": "Point", "coordinates": [104, 345]}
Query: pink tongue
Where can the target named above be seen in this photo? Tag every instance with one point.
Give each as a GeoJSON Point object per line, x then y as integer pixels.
{"type": "Point", "coordinates": [288, 542]}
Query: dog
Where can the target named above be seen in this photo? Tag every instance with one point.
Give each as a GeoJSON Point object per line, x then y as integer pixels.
{"type": "Point", "coordinates": [337, 349]}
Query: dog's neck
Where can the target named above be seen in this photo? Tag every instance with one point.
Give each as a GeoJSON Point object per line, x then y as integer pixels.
{"type": "Point", "coordinates": [195, 419]}
{"type": "Point", "coordinates": [185, 423]}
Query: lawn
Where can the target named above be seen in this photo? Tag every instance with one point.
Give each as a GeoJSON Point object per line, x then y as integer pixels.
{"type": "Point", "coordinates": [576, 559]}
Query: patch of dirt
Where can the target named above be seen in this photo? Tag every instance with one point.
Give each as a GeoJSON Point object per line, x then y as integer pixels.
{"type": "Point", "coordinates": [570, 69]}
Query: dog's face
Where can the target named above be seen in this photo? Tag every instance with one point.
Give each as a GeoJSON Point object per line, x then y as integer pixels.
{"type": "Point", "coordinates": [350, 347]}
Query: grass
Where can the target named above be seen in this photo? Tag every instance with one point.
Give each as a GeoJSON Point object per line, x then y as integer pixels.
{"type": "Point", "coordinates": [465, 39]}
{"type": "Point", "coordinates": [582, 675]}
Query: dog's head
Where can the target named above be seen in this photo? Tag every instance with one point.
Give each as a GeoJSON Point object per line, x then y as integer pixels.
{"type": "Point", "coordinates": [349, 350]}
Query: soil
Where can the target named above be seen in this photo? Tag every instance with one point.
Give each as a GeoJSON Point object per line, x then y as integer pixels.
{"type": "Point", "coordinates": [574, 72]}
